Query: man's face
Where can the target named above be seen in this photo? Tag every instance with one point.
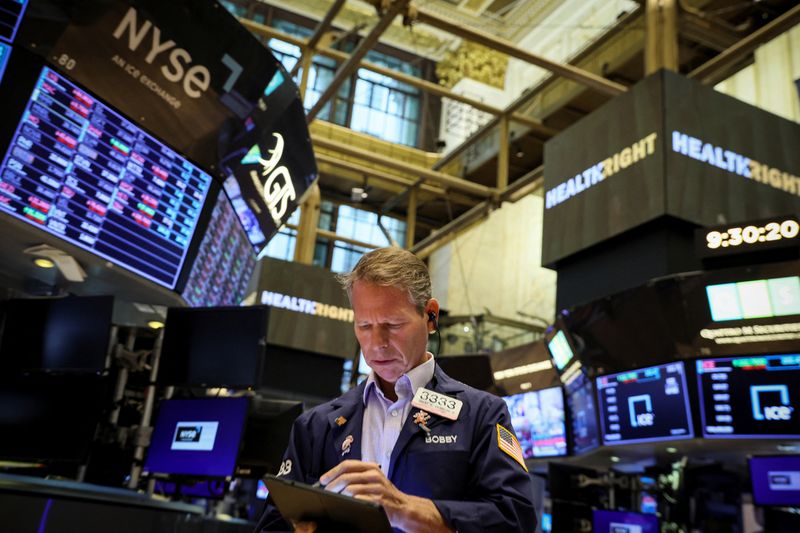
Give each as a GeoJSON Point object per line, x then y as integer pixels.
{"type": "Point", "coordinates": [392, 333]}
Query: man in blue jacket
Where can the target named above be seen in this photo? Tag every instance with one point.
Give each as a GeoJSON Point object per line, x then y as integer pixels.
{"type": "Point", "coordinates": [438, 455]}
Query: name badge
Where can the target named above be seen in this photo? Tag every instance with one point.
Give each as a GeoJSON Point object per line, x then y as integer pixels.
{"type": "Point", "coordinates": [437, 403]}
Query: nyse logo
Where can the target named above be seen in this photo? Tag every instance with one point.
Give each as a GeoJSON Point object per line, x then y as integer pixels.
{"type": "Point", "coordinates": [188, 433]}
{"type": "Point", "coordinates": [195, 79]}
{"type": "Point", "coordinates": [278, 189]}
{"type": "Point", "coordinates": [194, 436]}
{"type": "Point", "coordinates": [770, 412]}
{"type": "Point", "coordinates": [639, 417]}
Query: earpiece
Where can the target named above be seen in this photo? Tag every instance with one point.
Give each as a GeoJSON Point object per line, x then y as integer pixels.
{"type": "Point", "coordinates": [432, 318]}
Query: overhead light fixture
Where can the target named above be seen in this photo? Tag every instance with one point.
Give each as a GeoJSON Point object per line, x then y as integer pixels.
{"type": "Point", "coordinates": [155, 324]}
{"type": "Point", "coordinates": [466, 329]}
{"type": "Point", "coordinates": [672, 449]}
{"type": "Point", "coordinates": [67, 265]}
{"type": "Point", "coordinates": [525, 386]}
{"type": "Point", "coordinates": [42, 262]}
{"type": "Point", "coordinates": [518, 151]}
{"type": "Point", "coordinates": [614, 459]}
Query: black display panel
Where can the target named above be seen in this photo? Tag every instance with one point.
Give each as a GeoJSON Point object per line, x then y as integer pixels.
{"type": "Point", "coordinates": [269, 424]}
{"type": "Point", "coordinates": [47, 418]}
{"type": "Point", "coordinates": [11, 12]}
{"type": "Point", "coordinates": [224, 263]}
{"type": "Point", "coordinates": [64, 334]}
{"type": "Point", "coordinates": [649, 404]}
{"type": "Point", "coordinates": [80, 171]}
{"type": "Point", "coordinates": [775, 480]}
{"type": "Point", "coordinates": [750, 397]}
{"type": "Point", "coordinates": [214, 346]}
{"type": "Point", "coordinates": [582, 414]}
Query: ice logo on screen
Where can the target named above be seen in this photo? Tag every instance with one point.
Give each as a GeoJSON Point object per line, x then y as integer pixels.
{"type": "Point", "coordinates": [770, 412]}
{"type": "Point", "coordinates": [783, 480]}
{"type": "Point", "coordinates": [615, 527]}
{"type": "Point", "coordinates": [194, 436]}
{"type": "Point", "coordinates": [641, 419]}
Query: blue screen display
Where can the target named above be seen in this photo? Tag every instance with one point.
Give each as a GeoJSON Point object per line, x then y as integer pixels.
{"type": "Point", "coordinates": [775, 480]}
{"type": "Point", "coordinates": [82, 172]}
{"type": "Point", "coordinates": [583, 414]}
{"type": "Point", "coordinates": [649, 404]}
{"type": "Point", "coordinates": [11, 12]}
{"type": "Point", "coordinates": [197, 437]}
{"type": "Point", "coordinates": [224, 263]}
{"type": "Point", "coordinates": [623, 522]}
{"type": "Point", "coordinates": [750, 397]}
{"type": "Point", "coordinates": [5, 53]}
{"type": "Point", "coordinates": [538, 420]}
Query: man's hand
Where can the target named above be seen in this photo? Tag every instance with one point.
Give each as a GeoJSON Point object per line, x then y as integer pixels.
{"type": "Point", "coordinates": [366, 481]}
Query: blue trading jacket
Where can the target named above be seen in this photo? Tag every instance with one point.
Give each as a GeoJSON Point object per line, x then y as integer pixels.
{"type": "Point", "coordinates": [476, 486]}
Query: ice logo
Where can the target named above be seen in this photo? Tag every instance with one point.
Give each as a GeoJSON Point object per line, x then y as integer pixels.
{"type": "Point", "coordinates": [645, 418]}
{"type": "Point", "coordinates": [771, 412]}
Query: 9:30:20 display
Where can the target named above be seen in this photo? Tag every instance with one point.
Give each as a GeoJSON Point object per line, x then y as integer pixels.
{"type": "Point", "coordinates": [736, 236]}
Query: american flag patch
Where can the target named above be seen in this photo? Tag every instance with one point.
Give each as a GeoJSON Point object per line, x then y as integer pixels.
{"type": "Point", "coordinates": [508, 442]}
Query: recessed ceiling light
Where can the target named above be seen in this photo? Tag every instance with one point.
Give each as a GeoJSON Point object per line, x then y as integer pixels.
{"type": "Point", "coordinates": [672, 449]}
{"type": "Point", "coordinates": [155, 324]}
{"type": "Point", "coordinates": [525, 386]}
{"type": "Point", "coordinates": [42, 262]}
{"type": "Point", "coordinates": [614, 459]}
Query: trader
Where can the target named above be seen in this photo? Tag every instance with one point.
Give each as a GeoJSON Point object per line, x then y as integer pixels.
{"type": "Point", "coordinates": [438, 455]}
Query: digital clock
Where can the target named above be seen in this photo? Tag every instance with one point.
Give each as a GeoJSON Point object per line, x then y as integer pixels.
{"type": "Point", "coordinates": [751, 235]}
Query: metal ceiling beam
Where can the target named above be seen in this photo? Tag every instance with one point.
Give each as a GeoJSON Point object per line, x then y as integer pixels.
{"type": "Point", "coordinates": [319, 31]}
{"type": "Point", "coordinates": [504, 46]}
{"type": "Point", "coordinates": [718, 68]}
{"type": "Point", "coordinates": [348, 67]}
{"type": "Point", "coordinates": [418, 83]}
{"type": "Point", "coordinates": [433, 176]}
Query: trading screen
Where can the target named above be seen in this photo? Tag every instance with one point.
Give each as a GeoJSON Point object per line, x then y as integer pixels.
{"type": "Point", "coordinates": [749, 397]}
{"type": "Point", "coordinates": [643, 405]}
{"type": "Point", "coordinates": [11, 12]}
{"type": "Point", "coordinates": [225, 261]}
{"type": "Point", "coordinates": [538, 420]}
{"type": "Point", "coordinates": [583, 414]}
{"type": "Point", "coordinates": [82, 172]}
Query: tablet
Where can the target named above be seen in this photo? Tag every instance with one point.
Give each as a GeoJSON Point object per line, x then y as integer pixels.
{"type": "Point", "coordinates": [331, 511]}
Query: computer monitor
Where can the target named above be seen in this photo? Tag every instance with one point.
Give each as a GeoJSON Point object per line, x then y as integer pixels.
{"type": "Point", "coordinates": [623, 522]}
{"type": "Point", "coordinates": [11, 12]}
{"type": "Point", "coordinates": [582, 414]}
{"type": "Point", "coordinates": [197, 437]}
{"type": "Point", "coordinates": [224, 263]}
{"type": "Point", "coordinates": [56, 334]}
{"type": "Point", "coordinates": [214, 346]}
{"type": "Point", "coordinates": [538, 420]}
{"type": "Point", "coordinates": [5, 53]}
{"type": "Point", "coordinates": [648, 404]}
{"type": "Point", "coordinates": [50, 418]}
{"type": "Point", "coordinates": [776, 480]}
{"type": "Point", "coordinates": [750, 397]}
{"type": "Point", "coordinates": [269, 424]}
{"type": "Point", "coordinates": [80, 171]}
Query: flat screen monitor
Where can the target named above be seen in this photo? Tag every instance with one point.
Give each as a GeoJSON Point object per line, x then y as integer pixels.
{"type": "Point", "coordinates": [560, 350]}
{"type": "Point", "coordinates": [214, 346]}
{"type": "Point", "coordinates": [56, 334]}
{"type": "Point", "coordinates": [756, 298]}
{"type": "Point", "coordinates": [11, 12]}
{"type": "Point", "coordinates": [538, 420]}
{"type": "Point", "coordinates": [50, 418]}
{"type": "Point", "coordinates": [5, 53]}
{"type": "Point", "coordinates": [649, 404]}
{"type": "Point", "coordinates": [776, 480]}
{"type": "Point", "coordinates": [197, 437]}
{"type": "Point", "coordinates": [582, 414]}
{"type": "Point", "coordinates": [623, 522]}
{"type": "Point", "coordinates": [268, 427]}
{"type": "Point", "coordinates": [750, 397]}
{"type": "Point", "coordinates": [225, 261]}
{"type": "Point", "coordinates": [82, 172]}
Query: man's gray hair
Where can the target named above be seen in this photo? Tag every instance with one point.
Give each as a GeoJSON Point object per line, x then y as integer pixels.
{"type": "Point", "coordinates": [392, 267]}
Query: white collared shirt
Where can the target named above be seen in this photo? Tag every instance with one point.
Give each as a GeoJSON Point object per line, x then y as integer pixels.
{"type": "Point", "coordinates": [383, 419]}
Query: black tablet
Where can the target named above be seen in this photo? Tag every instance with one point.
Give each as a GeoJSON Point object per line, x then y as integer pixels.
{"type": "Point", "coordinates": [331, 511]}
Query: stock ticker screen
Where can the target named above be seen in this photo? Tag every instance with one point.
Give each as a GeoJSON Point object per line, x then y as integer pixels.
{"type": "Point", "coordinates": [11, 12]}
{"type": "Point", "coordinates": [649, 404]}
{"type": "Point", "coordinates": [582, 414]}
{"type": "Point", "coordinates": [82, 172]}
{"type": "Point", "coordinates": [225, 261]}
{"type": "Point", "coordinates": [750, 397]}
